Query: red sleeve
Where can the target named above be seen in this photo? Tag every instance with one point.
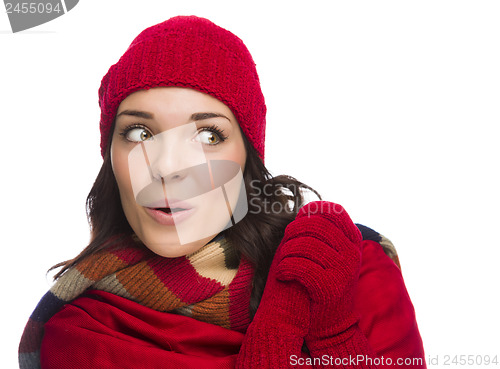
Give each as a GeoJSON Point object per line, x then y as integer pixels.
{"type": "Point", "coordinates": [387, 316]}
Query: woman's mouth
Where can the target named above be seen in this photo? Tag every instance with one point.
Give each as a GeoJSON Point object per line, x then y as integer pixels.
{"type": "Point", "coordinates": [170, 215]}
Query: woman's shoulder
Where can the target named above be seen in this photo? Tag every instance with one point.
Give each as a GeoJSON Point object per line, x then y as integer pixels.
{"type": "Point", "coordinates": [387, 246]}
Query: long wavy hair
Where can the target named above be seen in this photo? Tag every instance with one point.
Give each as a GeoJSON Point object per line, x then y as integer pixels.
{"type": "Point", "coordinates": [273, 203]}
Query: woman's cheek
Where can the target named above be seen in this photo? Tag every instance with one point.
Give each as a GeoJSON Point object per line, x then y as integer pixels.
{"type": "Point", "coordinates": [235, 152]}
{"type": "Point", "coordinates": [120, 165]}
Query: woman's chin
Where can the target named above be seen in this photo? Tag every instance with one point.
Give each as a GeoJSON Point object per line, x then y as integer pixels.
{"type": "Point", "coordinates": [189, 236]}
{"type": "Point", "coordinates": [173, 248]}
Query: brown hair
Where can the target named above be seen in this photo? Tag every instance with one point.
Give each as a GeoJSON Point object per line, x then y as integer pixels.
{"type": "Point", "coordinates": [273, 203]}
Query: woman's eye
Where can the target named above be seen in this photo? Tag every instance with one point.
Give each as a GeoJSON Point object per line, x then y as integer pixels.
{"type": "Point", "coordinates": [208, 137]}
{"type": "Point", "coordinates": [138, 134]}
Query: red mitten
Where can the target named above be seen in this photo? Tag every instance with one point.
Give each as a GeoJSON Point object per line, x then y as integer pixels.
{"type": "Point", "coordinates": [309, 295]}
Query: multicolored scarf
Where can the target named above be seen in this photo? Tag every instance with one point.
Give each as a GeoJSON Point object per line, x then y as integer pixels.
{"type": "Point", "coordinates": [210, 285]}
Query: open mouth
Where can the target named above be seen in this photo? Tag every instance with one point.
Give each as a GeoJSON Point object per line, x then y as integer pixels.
{"type": "Point", "coordinates": [170, 215]}
{"type": "Point", "coordinates": [171, 210]}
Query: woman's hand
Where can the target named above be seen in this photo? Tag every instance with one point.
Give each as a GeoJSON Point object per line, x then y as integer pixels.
{"type": "Point", "coordinates": [321, 251]}
{"type": "Point", "coordinates": [309, 294]}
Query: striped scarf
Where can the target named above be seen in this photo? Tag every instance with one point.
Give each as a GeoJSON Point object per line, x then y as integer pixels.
{"type": "Point", "coordinates": [210, 285]}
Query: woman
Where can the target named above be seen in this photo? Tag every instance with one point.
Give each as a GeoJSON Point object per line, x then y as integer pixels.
{"type": "Point", "coordinates": [198, 256]}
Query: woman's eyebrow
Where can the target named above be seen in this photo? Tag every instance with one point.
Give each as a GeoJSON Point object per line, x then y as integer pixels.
{"type": "Point", "coordinates": [202, 116]}
{"type": "Point", "coordinates": [136, 113]}
{"type": "Point", "coordinates": [194, 117]}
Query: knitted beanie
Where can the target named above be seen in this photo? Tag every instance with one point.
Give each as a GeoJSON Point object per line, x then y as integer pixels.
{"type": "Point", "coordinates": [192, 52]}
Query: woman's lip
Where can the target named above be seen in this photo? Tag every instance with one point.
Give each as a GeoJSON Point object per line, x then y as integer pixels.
{"type": "Point", "coordinates": [170, 218]}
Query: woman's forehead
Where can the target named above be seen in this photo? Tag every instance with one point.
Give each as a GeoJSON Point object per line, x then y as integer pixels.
{"type": "Point", "coordinates": [171, 99]}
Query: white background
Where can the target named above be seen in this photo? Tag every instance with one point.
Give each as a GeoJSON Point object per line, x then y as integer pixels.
{"type": "Point", "coordinates": [390, 108]}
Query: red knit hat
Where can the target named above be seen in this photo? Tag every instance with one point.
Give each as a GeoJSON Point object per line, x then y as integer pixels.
{"type": "Point", "coordinates": [193, 52]}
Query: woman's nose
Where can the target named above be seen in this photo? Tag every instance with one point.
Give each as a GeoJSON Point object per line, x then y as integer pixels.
{"type": "Point", "coordinates": [171, 154]}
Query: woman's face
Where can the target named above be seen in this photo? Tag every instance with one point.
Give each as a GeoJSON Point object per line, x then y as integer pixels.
{"type": "Point", "coordinates": [177, 156]}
